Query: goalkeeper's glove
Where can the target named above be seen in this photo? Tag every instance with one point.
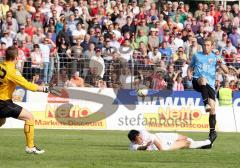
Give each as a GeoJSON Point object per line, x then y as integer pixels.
{"type": "Point", "coordinates": [53, 90]}
{"type": "Point", "coordinates": [45, 89]}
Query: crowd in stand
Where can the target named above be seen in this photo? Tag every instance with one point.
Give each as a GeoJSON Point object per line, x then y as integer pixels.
{"type": "Point", "coordinates": [119, 44]}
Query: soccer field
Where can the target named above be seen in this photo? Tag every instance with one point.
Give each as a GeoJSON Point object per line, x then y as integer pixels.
{"type": "Point", "coordinates": [86, 149]}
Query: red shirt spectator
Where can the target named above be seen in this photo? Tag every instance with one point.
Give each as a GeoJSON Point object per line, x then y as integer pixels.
{"type": "Point", "coordinates": [158, 82]}
{"type": "Point", "coordinates": [30, 29]}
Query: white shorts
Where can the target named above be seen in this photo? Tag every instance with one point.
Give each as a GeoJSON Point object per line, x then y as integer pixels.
{"type": "Point", "coordinates": [167, 139]}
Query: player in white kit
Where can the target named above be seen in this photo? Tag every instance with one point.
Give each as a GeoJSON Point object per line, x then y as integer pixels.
{"type": "Point", "coordinates": [143, 140]}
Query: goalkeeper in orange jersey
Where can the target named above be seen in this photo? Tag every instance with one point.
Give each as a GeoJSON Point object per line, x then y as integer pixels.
{"type": "Point", "coordinates": [10, 77]}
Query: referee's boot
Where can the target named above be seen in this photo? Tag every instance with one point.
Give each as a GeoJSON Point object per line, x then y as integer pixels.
{"type": "Point", "coordinates": [34, 150]}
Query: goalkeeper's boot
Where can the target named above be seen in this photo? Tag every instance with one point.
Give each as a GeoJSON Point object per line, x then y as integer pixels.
{"type": "Point", "coordinates": [34, 150]}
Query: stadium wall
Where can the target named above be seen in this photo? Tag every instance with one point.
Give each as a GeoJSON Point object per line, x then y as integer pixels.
{"type": "Point", "coordinates": [108, 109]}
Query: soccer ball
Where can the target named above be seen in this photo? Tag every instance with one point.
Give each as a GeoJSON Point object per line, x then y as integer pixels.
{"type": "Point", "coordinates": [142, 92]}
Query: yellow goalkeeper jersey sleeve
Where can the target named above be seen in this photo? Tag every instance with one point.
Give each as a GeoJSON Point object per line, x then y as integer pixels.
{"type": "Point", "coordinates": [10, 77]}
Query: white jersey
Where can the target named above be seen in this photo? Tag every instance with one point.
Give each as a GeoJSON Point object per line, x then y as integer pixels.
{"type": "Point", "coordinates": [166, 140]}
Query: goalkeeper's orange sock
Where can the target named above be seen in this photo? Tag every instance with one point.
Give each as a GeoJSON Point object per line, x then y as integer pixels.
{"type": "Point", "coordinates": [29, 133]}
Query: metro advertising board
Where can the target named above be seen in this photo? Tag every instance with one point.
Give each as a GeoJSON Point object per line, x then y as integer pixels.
{"type": "Point", "coordinates": [125, 109]}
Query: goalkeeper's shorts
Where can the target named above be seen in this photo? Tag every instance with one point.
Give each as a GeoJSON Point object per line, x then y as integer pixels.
{"type": "Point", "coordinates": [9, 109]}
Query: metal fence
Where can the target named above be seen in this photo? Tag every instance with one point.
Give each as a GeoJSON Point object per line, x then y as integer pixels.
{"type": "Point", "coordinates": [137, 73]}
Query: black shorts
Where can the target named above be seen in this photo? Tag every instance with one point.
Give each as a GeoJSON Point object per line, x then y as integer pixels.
{"type": "Point", "coordinates": [9, 109]}
{"type": "Point", "coordinates": [211, 91]}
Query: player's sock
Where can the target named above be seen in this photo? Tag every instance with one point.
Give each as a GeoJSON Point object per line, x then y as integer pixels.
{"type": "Point", "coordinates": [199, 144]}
{"type": "Point", "coordinates": [204, 92]}
{"type": "Point", "coordinates": [29, 133]}
{"type": "Point", "coordinates": [212, 122]}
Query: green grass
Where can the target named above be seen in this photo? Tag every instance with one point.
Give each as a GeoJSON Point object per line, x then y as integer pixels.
{"type": "Point", "coordinates": [86, 149]}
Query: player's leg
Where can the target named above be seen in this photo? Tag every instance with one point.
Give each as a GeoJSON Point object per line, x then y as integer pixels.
{"type": "Point", "coordinates": [198, 144]}
{"type": "Point", "coordinates": [212, 121]}
{"type": "Point", "coordinates": [193, 144]}
{"type": "Point", "coordinates": [10, 109]}
{"type": "Point", "coordinates": [28, 127]}
{"type": "Point", "coordinates": [29, 131]}
{"type": "Point", "coordinates": [180, 144]}
{"type": "Point", "coordinates": [202, 82]}
{"type": "Point", "coordinates": [181, 137]}
{"type": "Point", "coordinates": [2, 121]}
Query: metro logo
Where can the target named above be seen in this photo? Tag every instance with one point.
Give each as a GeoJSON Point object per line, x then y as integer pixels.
{"type": "Point", "coordinates": [179, 113]}
{"type": "Point", "coordinates": [75, 112]}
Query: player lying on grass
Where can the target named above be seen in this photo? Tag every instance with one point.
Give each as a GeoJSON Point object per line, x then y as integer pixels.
{"type": "Point", "coordinates": [9, 78]}
{"type": "Point", "coordinates": [143, 140]}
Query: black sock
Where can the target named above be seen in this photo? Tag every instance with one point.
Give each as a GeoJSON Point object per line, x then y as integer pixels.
{"type": "Point", "coordinates": [204, 92]}
{"type": "Point", "coordinates": [212, 122]}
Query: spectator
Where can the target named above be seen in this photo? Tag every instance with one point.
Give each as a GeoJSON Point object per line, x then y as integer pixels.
{"type": "Point", "coordinates": [164, 50]}
{"type": "Point", "coordinates": [39, 36]}
{"type": "Point", "coordinates": [179, 55]}
{"type": "Point", "coordinates": [22, 62]}
{"type": "Point", "coordinates": [37, 23]}
{"type": "Point", "coordinates": [143, 26]}
{"type": "Point", "coordinates": [128, 27]}
{"type": "Point", "coordinates": [7, 39]}
{"type": "Point", "coordinates": [10, 21]}
{"type": "Point", "coordinates": [21, 15]}
{"type": "Point", "coordinates": [155, 55]}
{"type": "Point", "coordinates": [37, 60]}
{"type": "Point", "coordinates": [169, 75]}
{"type": "Point", "coordinates": [64, 54]}
{"type": "Point", "coordinates": [4, 8]}
{"type": "Point", "coordinates": [90, 52]}
{"type": "Point", "coordinates": [61, 79]}
{"type": "Point", "coordinates": [21, 35]}
{"type": "Point", "coordinates": [63, 34]}
{"type": "Point", "coordinates": [223, 42]}
{"type": "Point", "coordinates": [2, 51]}
{"type": "Point", "coordinates": [178, 82]}
{"type": "Point", "coordinates": [96, 65]}
{"type": "Point", "coordinates": [75, 81]}
{"type": "Point", "coordinates": [37, 80]}
{"type": "Point", "coordinates": [126, 52]}
{"type": "Point", "coordinates": [218, 33]}
{"type": "Point", "coordinates": [234, 37]}
{"type": "Point", "coordinates": [79, 33]}
{"type": "Point", "coordinates": [121, 19]}
{"type": "Point", "coordinates": [229, 48]}
{"type": "Point", "coordinates": [45, 48]}
{"type": "Point", "coordinates": [153, 40]}
{"type": "Point", "coordinates": [71, 25]}
{"type": "Point", "coordinates": [29, 28]}
{"type": "Point", "coordinates": [158, 82]}
{"type": "Point", "coordinates": [67, 12]}
{"type": "Point", "coordinates": [126, 79]}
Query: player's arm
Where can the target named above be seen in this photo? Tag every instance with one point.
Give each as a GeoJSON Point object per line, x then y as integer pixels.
{"type": "Point", "coordinates": [157, 144]}
{"type": "Point", "coordinates": [18, 79]}
{"type": "Point", "coordinates": [221, 63]}
{"type": "Point", "coordinates": [189, 72]}
{"type": "Point", "coordinates": [144, 147]}
{"type": "Point", "coordinates": [224, 68]}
